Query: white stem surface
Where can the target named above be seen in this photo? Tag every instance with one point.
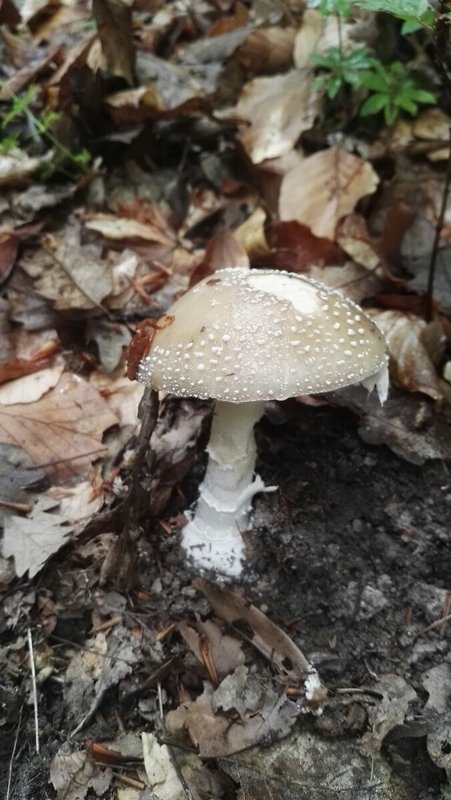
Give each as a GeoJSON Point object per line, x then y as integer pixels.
{"type": "Point", "coordinates": [212, 539]}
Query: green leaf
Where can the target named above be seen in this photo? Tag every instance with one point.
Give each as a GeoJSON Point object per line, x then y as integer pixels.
{"type": "Point", "coordinates": [373, 104]}
{"type": "Point", "coordinates": [404, 9]}
{"type": "Point", "coordinates": [390, 114]}
{"type": "Point", "coordinates": [419, 96]}
{"type": "Point", "coordinates": [334, 86]}
{"type": "Point", "coordinates": [374, 82]}
{"type": "Point", "coordinates": [328, 7]}
{"type": "Point", "coordinates": [359, 58]}
{"type": "Point", "coordinates": [407, 105]}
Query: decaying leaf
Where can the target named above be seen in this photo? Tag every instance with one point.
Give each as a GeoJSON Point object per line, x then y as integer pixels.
{"type": "Point", "coordinates": [269, 639]}
{"type": "Point", "coordinates": [296, 248]}
{"type": "Point", "coordinates": [114, 23]}
{"type": "Point", "coordinates": [160, 771]}
{"type": "Point", "coordinates": [396, 696]}
{"type": "Point", "coordinates": [278, 109]}
{"type": "Point", "coordinates": [413, 428]}
{"type": "Point", "coordinates": [265, 716]}
{"type": "Point", "coordinates": [32, 540]}
{"type": "Point", "coordinates": [355, 281]}
{"type": "Point", "coordinates": [225, 651]}
{"type": "Point", "coordinates": [112, 227]}
{"type": "Point", "coordinates": [437, 682]}
{"type": "Point", "coordinates": [415, 347]}
{"type": "Point", "coordinates": [324, 188]}
{"type": "Point", "coordinates": [16, 166]}
{"type": "Point", "coordinates": [62, 431]}
{"type": "Point", "coordinates": [16, 474]}
{"type": "Point", "coordinates": [71, 773]}
{"type": "Point", "coordinates": [31, 387]}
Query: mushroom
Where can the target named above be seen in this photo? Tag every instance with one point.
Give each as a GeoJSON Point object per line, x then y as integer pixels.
{"type": "Point", "coordinates": [243, 337]}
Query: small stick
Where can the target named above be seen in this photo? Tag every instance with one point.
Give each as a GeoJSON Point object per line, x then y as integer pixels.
{"type": "Point", "coordinates": [34, 689]}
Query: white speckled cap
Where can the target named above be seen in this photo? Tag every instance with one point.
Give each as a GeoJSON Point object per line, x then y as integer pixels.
{"type": "Point", "coordinates": [244, 335]}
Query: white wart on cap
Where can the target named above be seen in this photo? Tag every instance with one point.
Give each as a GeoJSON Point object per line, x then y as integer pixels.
{"type": "Point", "coordinates": [243, 335]}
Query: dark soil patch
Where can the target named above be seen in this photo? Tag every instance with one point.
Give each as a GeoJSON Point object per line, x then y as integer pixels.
{"type": "Point", "coordinates": [353, 556]}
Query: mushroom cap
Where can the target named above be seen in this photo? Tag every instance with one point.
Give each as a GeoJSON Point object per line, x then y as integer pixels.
{"type": "Point", "coordinates": [244, 335]}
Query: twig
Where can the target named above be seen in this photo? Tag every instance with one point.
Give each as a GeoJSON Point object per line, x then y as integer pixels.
{"type": "Point", "coordinates": [436, 624]}
{"type": "Point", "coordinates": [428, 300]}
{"type": "Point", "coordinates": [34, 689]}
{"type": "Point", "coordinates": [10, 771]}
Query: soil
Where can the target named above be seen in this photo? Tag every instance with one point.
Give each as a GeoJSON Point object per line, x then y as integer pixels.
{"type": "Point", "coordinates": [353, 560]}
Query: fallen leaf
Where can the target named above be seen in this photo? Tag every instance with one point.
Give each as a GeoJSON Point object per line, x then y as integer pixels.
{"type": "Point", "coordinates": [324, 188]}
{"type": "Point", "coordinates": [63, 430]}
{"type": "Point", "coordinates": [225, 651]}
{"type": "Point", "coordinates": [222, 249]}
{"type": "Point", "coordinates": [160, 771]}
{"type": "Point", "coordinates": [114, 24]}
{"type": "Point", "coordinates": [355, 281]}
{"type": "Point", "coordinates": [16, 165]}
{"type": "Point", "coordinates": [267, 50]}
{"type": "Point", "coordinates": [396, 696]}
{"type": "Point", "coordinates": [354, 238]}
{"type": "Point", "coordinates": [16, 474]}
{"type": "Point", "coordinates": [265, 717]}
{"type": "Point", "coordinates": [9, 245]}
{"type": "Point", "coordinates": [278, 109]}
{"type": "Point", "coordinates": [413, 428]}
{"type": "Point", "coordinates": [437, 682]}
{"type": "Point", "coordinates": [415, 347]}
{"type": "Point", "coordinates": [297, 247]}
{"type": "Point", "coordinates": [32, 387]}
{"type": "Point", "coordinates": [268, 638]}
{"type": "Point", "coordinates": [121, 395]}
{"type": "Point", "coordinates": [76, 503]}
{"type": "Point", "coordinates": [71, 773]}
{"type": "Point", "coordinates": [111, 339]}
{"type": "Point", "coordinates": [251, 234]}
{"type": "Point", "coordinates": [117, 228]}
{"type": "Point", "coordinates": [32, 540]}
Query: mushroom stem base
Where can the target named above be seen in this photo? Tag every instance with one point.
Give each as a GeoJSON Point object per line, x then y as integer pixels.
{"type": "Point", "coordinates": [212, 539]}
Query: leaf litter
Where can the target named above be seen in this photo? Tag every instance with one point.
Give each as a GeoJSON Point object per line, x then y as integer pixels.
{"type": "Point", "coordinates": [209, 146]}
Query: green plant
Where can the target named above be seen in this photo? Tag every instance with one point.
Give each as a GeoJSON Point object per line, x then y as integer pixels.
{"type": "Point", "coordinates": [340, 69]}
{"type": "Point", "coordinates": [393, 90]}
{"type": "Point", "coordinates": [36, 127]}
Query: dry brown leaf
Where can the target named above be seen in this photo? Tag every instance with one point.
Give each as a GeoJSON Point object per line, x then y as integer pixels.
{"type": "Point", "coordinates": [324, 188]}
{"type": "Point", "coordinates": [31, 387]}
{"type": "Point", "coordinates": [63, 430]}
{"type": "Point", "coordinates": [117, 228]}
{"type": "Point", "coordinates": [267, 50]}
{"type": "Point", "coordinates": [263, 716]}
{"type": "Point", "coordinates": [415, 346]}
{"type": "Point", "coordinates": [295, 247]}
{"type": "Point", "coordinates": [114, 24]}
{"type": "Point", "coordinates": [251, 233]}
{"type": "Point", "coordinates": [317, 34]}
{"type": "Point", "coordinates": [278, 109]}
{"type": "Point", "coordinates": [223, 250]}
{"type": "Point", "coordinates": [122, 395]}
{"type": "Point", "coordinates": [225, 651]}
{"type": "Point", "coordinates": [268, 637]}
{"type": "Point", "coordinates": [355, 281]}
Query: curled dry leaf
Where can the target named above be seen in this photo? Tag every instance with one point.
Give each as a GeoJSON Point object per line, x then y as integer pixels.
{"type": "Point", "coordinates": [415, 347]}
{"type": "Point", "coordinates": [324, 188]}
{"type": "Point", "coordinates": [251, 234]}
{"type": "Point", "coordinates": [114, 24]}
{"type": "Point", "coordinates": [278, 109]}
{"type": "Point", "coordinates": [62, 431]}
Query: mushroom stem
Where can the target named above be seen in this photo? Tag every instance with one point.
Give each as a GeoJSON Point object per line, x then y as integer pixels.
{"type": "Point", "coordinates": [212, 539]}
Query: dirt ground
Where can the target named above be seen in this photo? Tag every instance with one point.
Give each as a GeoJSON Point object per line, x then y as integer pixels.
{"type": "Point", "coordinates": [353, 561]}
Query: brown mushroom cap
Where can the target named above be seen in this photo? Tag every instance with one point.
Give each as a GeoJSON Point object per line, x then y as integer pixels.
{"type": "Point", "coordinates": [245, 335]}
